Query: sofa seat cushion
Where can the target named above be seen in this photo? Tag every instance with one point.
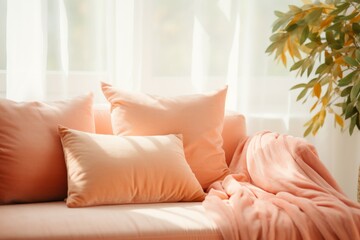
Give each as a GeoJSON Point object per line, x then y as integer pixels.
{"type": "Point", "coordinates": [53, 220]}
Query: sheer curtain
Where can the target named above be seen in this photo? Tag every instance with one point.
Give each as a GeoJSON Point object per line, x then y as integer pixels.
{"type": "Point", "coordinates": [51, 49]}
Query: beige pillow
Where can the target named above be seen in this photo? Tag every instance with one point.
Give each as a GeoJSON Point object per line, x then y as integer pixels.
{"type": "Point", "coordinates": [106, 169]}
{"type": "Point", "coordinates": [199, 118]}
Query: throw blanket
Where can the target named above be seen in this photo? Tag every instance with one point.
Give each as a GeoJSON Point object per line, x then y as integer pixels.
{"type": "Point", "coordinates": [279, 189]}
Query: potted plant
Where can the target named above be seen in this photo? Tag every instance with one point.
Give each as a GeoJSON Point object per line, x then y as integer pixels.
{"type": "Point", "coordinates": [323, 41]}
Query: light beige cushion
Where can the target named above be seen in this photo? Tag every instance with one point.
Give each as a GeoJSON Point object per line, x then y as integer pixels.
{"type": "Point", "coordinates": [105, 169]}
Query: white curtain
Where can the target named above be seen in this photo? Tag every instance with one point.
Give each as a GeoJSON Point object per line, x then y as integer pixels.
{"type": "Point", "coordinates": [60, 48]}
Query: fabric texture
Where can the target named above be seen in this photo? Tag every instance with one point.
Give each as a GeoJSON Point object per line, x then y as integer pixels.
{"type": "Point", "coordinates": [279, 189]}
{"type": "Point", "coordinates": [199, 118]}
{"type": "Point", "coordinates": [55, 221]}
{"type": "Point", "coordinates": [102, 119]}
{"type": "Point", "coordinates": [32, 166]}
{"type": "Point", "coordinates": [105, 169]}
{"type": "Point", "coordinates": [234, 129]}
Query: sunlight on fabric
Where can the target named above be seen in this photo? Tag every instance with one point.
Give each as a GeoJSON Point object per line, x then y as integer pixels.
{"type": "Point", "coordinates": [174, 215]}
{"type": "Point", "coordinates": [64, 39]}
{"type": "Point", "coordinates": [122, 21]}
{"type": "Point", "coordinates": [225, 6]}
{"type": "Point", "coordinates": [25, 50]}
{"type": "Point", "coordinates": [232, 101]}
{"type": "Point", "coordinates": [246, 56]}
{"type": "Point", "coordinates": [199, 57]}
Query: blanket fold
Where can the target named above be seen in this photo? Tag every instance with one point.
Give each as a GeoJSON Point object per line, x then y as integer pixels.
{"type": "Point", "coordinates": [279, 189]}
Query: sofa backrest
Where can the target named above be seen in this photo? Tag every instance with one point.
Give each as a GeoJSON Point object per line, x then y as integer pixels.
{"type": "Point", "coordinates": [233, 132]}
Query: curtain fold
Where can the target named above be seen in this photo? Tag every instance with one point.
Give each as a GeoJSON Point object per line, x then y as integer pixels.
{"type": "Point", "coordinates": [26, 49]}
{"type": "Point", "coordinates": [61, 48]}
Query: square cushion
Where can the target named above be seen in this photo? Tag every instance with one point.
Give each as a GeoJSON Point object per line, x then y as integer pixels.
{"type": "Point", "coordinates": [107, 169]}
{"type": "Point", "coordinates": [32, 166]}
{"type": "Point", "coordinates": [199, 118]}
{"type": "Point", "coordinates": [234, 129]}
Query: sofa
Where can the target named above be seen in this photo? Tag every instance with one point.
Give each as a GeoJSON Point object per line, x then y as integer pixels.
{"type": "Point", "coordinates": [170, 220]}
{"type": "Point", "coordinates": [152, 167]}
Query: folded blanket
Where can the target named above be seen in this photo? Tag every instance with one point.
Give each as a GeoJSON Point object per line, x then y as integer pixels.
{"type": "Point", "coordinates": [279, 189]}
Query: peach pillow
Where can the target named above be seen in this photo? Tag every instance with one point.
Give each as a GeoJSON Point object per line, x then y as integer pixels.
{"type": "Point", "coordinates": [32, 166]}
{"type": "Point", "coordinates": [199, 118]}
{"type": "Point", "coordinates": [234, 130]}
{"type": "Point", "coordinates": [107, 169]}
{"type": "Point", "coordinates": [233, 133]}
{"type": "Point", "coordinates": [102, 119]}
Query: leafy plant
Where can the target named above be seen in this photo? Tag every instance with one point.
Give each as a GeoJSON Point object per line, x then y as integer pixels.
{"type": "Point", "coordinates": [322, 39]}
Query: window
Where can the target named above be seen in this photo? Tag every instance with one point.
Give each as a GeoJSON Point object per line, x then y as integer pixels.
{"type": "Point", "coordinates": [2, 35]}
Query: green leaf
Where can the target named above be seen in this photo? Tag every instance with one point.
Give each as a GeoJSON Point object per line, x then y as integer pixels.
{"type": "Point", "coordinates": [340, 8]}
{"type": "Point", "coordinates": [334, 27]}
{"type": "Point", "coordinates": [312, 45]}
{"type": "Point", "coordinates": [355, 92]}
{"type": "Point", "coordinates": [350, 111]}
{"type": "Point", "coordinates": [304, 34]}
{"type": "Point", "coordinates": [358, 105]}
{"type": "Point", "coordinates": [310, 68]}
{"type": "Point", "coordinates": [341, 38]}
{"type": "Point", "coordinates": [350, 16]}
{"type": "Point", "coordinates": [305, 66]}
{"type": "Point", "coordinates": [300, 85]}
{"type": "Point", "coordinates": [330, 37]}
{"type": "Point", "coordinates": [295, 9]}
{"type": "Point", "coordinates": [314, 15]}
{"type": "Point", "coordinates": [342, 106]}
{"type": "Point", "coordinates": [351, 61]}
{"type": "Point", "coordinates": [328, 60]}
{"type": "Point", "coordinates": [336, 45]}
{"type": "Point", "coordinates": [272, 47]}
{"type": "Point", "coordinates": [308, 130]}
{"type": "Point", "coordinates": [346, 80]}
{"type": "Point", "coordinates": [313, 36]}
{"type": "Point", "coordinates": [356, 28]}
{"type": "Point", "coordinates": [297, 65]}
{"type": "Point", "coordinates": [312, 82]}
{"type": "Point", "coordinates": [279, 14]}
{"type": "Point", "coordinates": [346, 91]}
{"type": "Point", "coordinates": [277, 37]}
{"type": "Point", "coordinates": [357, 53]}
{"type": "Point", "coordinates": [321, 68]}
{"type": "Point", "coordinates": [325, 80]}
{"type": "Point", "coordinates": [352, 124]}
{"type": "Point", "coordinates": [279, 23]}
{"type": "Point", "coordinates": [302, 94]}
{"type": "Point", "coordinates": [291, 27]}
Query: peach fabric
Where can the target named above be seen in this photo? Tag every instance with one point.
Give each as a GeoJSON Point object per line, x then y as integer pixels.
{"type": "Point", "coordinates": [102, 119]}
{"type": "Point", "coordinates": [198, 117]}
{"type": "Point", "coordinates": [234, 129]}
{"type": "Point", "coordinates": [54, 221]}
{"type": "Point", "coordinates": [32, 166]}
{"type": "Point", "coordinates": [105, 169]}
{"type": "Point", "coordinates": [281, 190]}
